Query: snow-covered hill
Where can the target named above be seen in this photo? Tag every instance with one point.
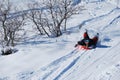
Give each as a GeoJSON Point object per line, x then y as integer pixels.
{"type": "Point", "coordinates": [44, 58]}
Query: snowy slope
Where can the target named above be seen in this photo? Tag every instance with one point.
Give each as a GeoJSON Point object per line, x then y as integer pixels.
{"type": "Point", "coordinates": [56, 59]}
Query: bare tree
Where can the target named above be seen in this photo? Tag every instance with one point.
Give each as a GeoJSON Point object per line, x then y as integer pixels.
{"type": "Point", "coordinates": [14, 27]}
{"type": "Point", "coordinates": [36, 16]}
{"type": "Point", "coordinates": [10, 24]}
{"type": "Point", "coordinates": [67, 9]}
{"type": "Point", "coordinates": [59, 11]}
{"type": "Point", "coordinates": [52, 16]}
{"type": "Point", "coordinates": [5, 8]}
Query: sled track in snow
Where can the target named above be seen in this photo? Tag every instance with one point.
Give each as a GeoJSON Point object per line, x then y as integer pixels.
{"type": "Point", "coordinates": [99, 17]}
{"type": "Point", "coordinates": [61, 59]}
{"type": "Point", "coordinates": [52, 67]}
{"type": "Point", "coordinates": [71, 64]}
{"type": "Point", "coordinates": [67, 68]}
{"type": "Point", "coordinates": [118, 17]}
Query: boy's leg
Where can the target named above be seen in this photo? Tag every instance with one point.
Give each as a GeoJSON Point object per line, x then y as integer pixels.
{"type": "Point", "coordinates": [81, 42]}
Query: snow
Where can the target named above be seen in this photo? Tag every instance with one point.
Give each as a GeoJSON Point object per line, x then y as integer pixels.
{"type": "Point", "coordinates": [42, 58]}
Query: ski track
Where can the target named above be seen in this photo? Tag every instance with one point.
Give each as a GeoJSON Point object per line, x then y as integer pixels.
{"type": "Point", "coordinates": [64, 69]}
{"type": "Point", "coordinates": [49, 73]}
{"type": "Point", "coordinates": [60, 70]}
{"type": "Point", "coordinates": [81, 56]}
{"type": "Point", "coordinates": [111, 22]}
{"type": "Point", "coordinates": [52, 67]}
{"type": "Point", "coordinates": [99, 17]}
{"type": "Point", "coordinates": [69, 66]}
{"type": "Point", "coordinates": [86, 22]}
{"type": "Point", "coordinates": [58, 61]}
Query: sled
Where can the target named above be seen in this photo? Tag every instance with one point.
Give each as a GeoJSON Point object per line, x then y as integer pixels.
{"type": "Point", "coordinates": [83, 47]}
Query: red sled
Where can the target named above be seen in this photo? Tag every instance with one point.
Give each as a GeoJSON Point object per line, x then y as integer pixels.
{"type": "Point", "coordinates": [83, 47]}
